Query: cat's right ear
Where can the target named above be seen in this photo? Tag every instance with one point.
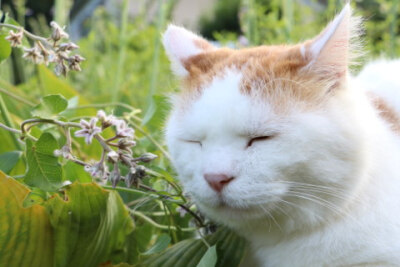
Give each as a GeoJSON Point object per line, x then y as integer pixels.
{"type": "Point", "coordinates": [181, 44]}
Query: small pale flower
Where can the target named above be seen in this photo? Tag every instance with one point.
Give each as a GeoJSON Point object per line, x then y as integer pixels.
{"type": "Point", "coordinates": [126, 144]}
{"type": "Point", "coordinates": [114, 177]}
{"type": "Point", "coordinates": [67, 46]}
{"type": "Point", "coordinates": [106, 120]}
{"type": "Point", "coordinates": [74, 62]}
{"type": "Point", "coordinates": [15, 38]}
{"type": "Point", "coordinates": [61, 68]}
{"type": "Point", "coordinates": [65, 152]}
{"type": "Point", "coordinates": [123, 130]}
{"type": "Point", "coordinates": [89, 130]}
{"type": "Point", "coordinates": [58, 32]}
{"type": "Point", "coordinates": [33, 54]}
{"type": "Point", "coordinates": [98, 170]}
{"type": "Point", "coordinates": [113, 156]}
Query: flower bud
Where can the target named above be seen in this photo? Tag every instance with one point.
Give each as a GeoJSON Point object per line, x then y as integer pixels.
{"type": "Point", "coordinates": [147, 157]}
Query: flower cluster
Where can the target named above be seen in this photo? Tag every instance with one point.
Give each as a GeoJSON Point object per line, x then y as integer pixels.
{"type": "Point", "coordinates": [117, 150]}
{"type": "Point", "coordinates": [55, 49]}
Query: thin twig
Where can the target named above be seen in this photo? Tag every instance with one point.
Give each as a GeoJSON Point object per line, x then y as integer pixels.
{"type": "Point", "coordinates": [16, 97]}
{"type": "Point", "coordinates": [161, 226]}
{"type": "Point", "coordinates": [28, 34]}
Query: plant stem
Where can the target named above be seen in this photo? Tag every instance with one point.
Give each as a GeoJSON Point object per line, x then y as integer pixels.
{"type": "Point", "coordinates": [16, 131]}
{"type": "Point", "coordinates": [161, 226]}
{"type": "Point", "coordinates": [16, 97]}
{"type": "Point", "coordinates": [28, 34]}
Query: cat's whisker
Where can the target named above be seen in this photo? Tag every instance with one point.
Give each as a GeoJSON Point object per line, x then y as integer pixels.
{"type": "Point", "coordinates": [319, 201]}
{"type": "Point", "coordinates": [271, 217]}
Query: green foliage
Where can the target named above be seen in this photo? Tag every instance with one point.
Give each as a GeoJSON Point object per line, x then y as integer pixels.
{"type": "Point", "coordinates": [84, 226]}
{"type": "Point", "coordinates": [50, 106]}
{"type": "Point", "coordinates": [44, 171]}
{"type": "Point", "coordinates": [5, 48]}
{"type": "Point", "coordinates": [230, 249]}
{"type": "Point", "coordinates": [8, 160]}
{"type": "Point", "coordinates": [90, 225]}
{"type": "Point", "coordinates": [126, 72]}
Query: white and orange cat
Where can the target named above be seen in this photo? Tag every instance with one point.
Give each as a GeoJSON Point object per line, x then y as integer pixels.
{"type": "Point", "coordinates": [280, 144]}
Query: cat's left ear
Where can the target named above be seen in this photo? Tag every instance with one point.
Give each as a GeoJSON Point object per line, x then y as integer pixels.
{"type": "Point", "coordinates": [181, 44]}
{"type": "Point", "coordinates": [330, 52]}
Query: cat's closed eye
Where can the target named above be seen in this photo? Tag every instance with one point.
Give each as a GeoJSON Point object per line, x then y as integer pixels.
{"type": "Point", "coordinates": [192, 141]}
{"type": "Point", "coordinates": [259, 139]}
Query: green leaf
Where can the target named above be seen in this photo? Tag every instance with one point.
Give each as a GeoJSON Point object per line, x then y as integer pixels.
{"type": "Point", "coordinates": [5, 48]}
{"type": "Point", "coordinates": [74, 172]}
{"type": "Point", "coordinates": [90, 225]}
{"type": "Point", "coordinates": [8, 160]}
{"type": "Point", "coordinates": [230, 250]}
{"type": "Point", "coordinates": [44, 171]}
{"type": "Point", "coordinates": [86, 226]}
{"type": "Point", "coordinates": [210, 258]}
{"type": "Point", "coordinates": [50, 106]}
{"type": "Point", "coordinates": [25, 233]}
{"type": "Point", "coordinates": [161, 244]}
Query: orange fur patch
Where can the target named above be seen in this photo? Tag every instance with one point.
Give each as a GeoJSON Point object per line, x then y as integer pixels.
{"type": "Point", "coordinates": [274, 72]}
{"type": "Point", "coordinates": [386, 112]}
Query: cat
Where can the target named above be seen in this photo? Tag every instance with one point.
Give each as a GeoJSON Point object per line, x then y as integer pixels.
{"type": "Point", "coordinates": [283, 146]}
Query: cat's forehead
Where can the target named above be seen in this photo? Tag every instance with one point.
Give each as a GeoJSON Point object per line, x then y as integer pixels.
{"type": "Point", "coordinates": [267, 73]}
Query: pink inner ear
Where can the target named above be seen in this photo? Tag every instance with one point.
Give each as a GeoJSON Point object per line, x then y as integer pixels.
{"type": "Point", "coordinates": [331, 47]}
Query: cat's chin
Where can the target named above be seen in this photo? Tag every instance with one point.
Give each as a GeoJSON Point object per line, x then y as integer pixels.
{"type": "Point", "coordinates": [234, 216]}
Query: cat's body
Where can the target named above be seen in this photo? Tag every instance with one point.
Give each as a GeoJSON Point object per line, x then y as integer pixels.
{"type": "Point", "coordinates": [279, 144]}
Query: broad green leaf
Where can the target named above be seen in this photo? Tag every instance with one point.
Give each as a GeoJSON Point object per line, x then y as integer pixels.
{"type": "Point", "coordinates": [210, 258]}
{"type": "Point", "coordinates": [44, 171]}
{"type": "Point", "coordinates": [25, 233]}
{"type": "Point", "coordinates": [74, 172]}
{"type": "Point", "coordinates": [230, 251]}
{"type": "Point", "coordinates": [50, 106]}
{"type": "Point", "coordinates": [161, 244]}
{"type": "Point", "coordinates": [5, 48]}
{"type": "Point", "coordinates": [8, 160]}
{"type": "Point", "coordinates": [90, 225]}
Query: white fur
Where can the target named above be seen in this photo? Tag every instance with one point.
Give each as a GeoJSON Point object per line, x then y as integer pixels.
{"type": "Point", "coordinates": [346, 212]}
{"type": "Point", "coordinates": [344, 146]}
{"type": "Point", "coordinates": [179, 45]}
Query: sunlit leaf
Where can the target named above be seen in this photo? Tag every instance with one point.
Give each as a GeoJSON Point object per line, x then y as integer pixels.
{"type": "Point", "coordinates": [209, 259]}
{"type": "Point", "coordinates": [44, 171]}
{"type": "Point", "coordinates": [161, 244]}
{"type": "Point", "coordinates": [25, 233]}
{"type": "Point", "coordinates": [5, 48]}
{"type": "Point", "coordinates": [90, 225]}
{"type": "Point", "coordinates": [8, 160]}
{"type": "Point", "coordinates": [50, 106]}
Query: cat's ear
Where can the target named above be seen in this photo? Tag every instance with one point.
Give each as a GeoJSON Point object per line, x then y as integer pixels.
{"type": "Point", "coordinates": [331, 51]}
{"type": "Point", "coordinates": [181, 44]}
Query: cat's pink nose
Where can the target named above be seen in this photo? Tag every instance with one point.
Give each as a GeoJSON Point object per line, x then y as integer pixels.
{"type": "Point", "coordinates": [217, 181]}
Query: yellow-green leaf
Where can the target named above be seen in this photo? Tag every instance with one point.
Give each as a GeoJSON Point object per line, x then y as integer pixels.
{"type": "Point", "coordinates": [5, 48]}
{"type": "Point", "coordinates": [90, 223]}
{"type": "Point", "coordinates": [50, 106]}
{"type": "Point", "coordinates": [25, 233]}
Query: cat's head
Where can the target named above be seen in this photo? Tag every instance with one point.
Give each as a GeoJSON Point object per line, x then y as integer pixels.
{"type": "Point", "coordinates": [265, 130]}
